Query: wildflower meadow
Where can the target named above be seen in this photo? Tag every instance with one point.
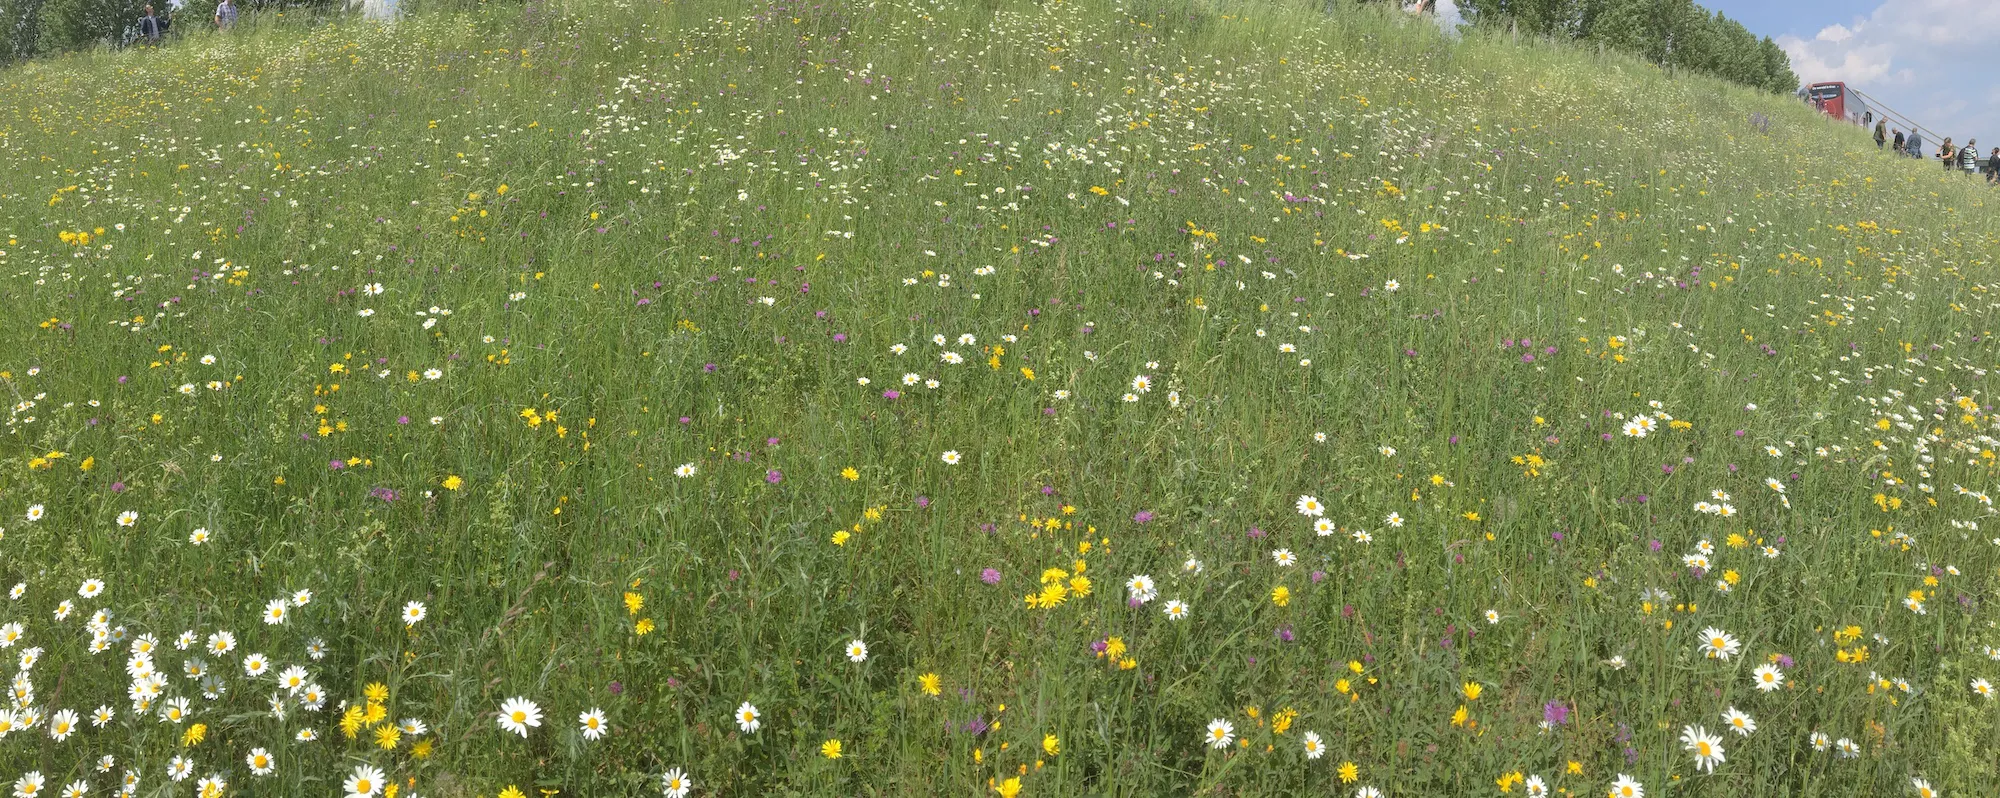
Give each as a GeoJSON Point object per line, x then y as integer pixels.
{"type": "Point", "coordinates": [913, 397]}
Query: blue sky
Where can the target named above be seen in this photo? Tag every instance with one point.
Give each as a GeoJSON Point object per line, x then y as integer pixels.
{"type": "Point", "coordinates": [1936, 61]}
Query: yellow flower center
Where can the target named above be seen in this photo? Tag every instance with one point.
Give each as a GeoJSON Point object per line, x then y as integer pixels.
{"type": "Point", "coordinates": [520, 717]}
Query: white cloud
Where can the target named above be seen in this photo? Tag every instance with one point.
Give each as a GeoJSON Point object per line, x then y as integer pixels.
{"type": "Point", "coordinates": [1927, 59]}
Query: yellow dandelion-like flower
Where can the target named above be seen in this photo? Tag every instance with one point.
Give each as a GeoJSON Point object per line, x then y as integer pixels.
{"type": "Point", "coordinates": [830, 749]}
{"type": "Point", "coordinates": [931, 684]}
{"type": "Point", "coordinates": [350, 722]}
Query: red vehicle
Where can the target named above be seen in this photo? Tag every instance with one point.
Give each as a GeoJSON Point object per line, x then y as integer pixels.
{"type": "Point", "coordinates": [1836, 101]}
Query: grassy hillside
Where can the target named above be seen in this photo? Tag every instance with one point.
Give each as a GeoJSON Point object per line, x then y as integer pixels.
{"type": "Point", "coordinates": [640, 359]}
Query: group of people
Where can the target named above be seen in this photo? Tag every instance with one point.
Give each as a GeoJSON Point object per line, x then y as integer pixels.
{"type": "Point", "coordinates": [152, 28]}
{"type": "Point", "coordinates": [1954, 158]}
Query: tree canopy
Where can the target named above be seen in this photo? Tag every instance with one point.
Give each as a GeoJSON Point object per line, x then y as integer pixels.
{"type": "Point", "coordinates": [1671, 33]}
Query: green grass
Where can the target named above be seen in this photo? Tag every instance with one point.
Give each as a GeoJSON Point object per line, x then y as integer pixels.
{"type": "Point", "coordinates": [1206, 194]}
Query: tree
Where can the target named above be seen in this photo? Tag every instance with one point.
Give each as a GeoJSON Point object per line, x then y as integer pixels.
{"type": "Point", "coordinates": [77, 24]}
{"type": "Point", "coordinates": [20, 29]}
{"type": "Point", "coordinates": [1777, 73]}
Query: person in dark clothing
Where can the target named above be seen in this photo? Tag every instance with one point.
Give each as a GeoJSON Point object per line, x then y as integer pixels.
{"type": "Point", "coordinates": [1993, 166]}
{"type": "Point", "coordinates": [1915, 144]}
{"type": "Point", "coordinates": [1947, 154]}
{"type": "Point", "coordinates": [1881, 134]}
{"type": "Point", "coordinates": [1898, 146]}
{"type": "Point", "coordinates": [149, 28]}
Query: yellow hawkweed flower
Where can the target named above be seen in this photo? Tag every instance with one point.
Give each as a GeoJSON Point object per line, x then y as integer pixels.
{"type": "Point", "coordinates": [350, 722]}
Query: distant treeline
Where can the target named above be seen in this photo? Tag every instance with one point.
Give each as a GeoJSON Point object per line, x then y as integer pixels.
{"type": "Point", "coordinates": [32, 28]}
{"type": "Point", "coordinates": [1671, 33]}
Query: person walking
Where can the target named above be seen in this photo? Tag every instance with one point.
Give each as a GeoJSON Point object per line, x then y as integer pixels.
{"type": "Point", "coordinates": [1898, 146]}
{"type": "Point", "coordinates": [225, 15]}
{"type": "Point", "coordinates": [1947, 153]}
{"type": "Point", "coordinates": [1968, 156]}
{"type": "Point", "coordinates": [149, 28]}
{"type": "Point", "coordinates": [1993, 166]}
{"type": "Point", "coordinates": [1881, 133]}
{"type": "Point", "coordinates": [1916, 145]}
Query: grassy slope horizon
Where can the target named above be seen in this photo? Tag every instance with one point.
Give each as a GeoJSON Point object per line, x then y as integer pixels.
{"type": "Point", "coordinates": [962, 316]}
